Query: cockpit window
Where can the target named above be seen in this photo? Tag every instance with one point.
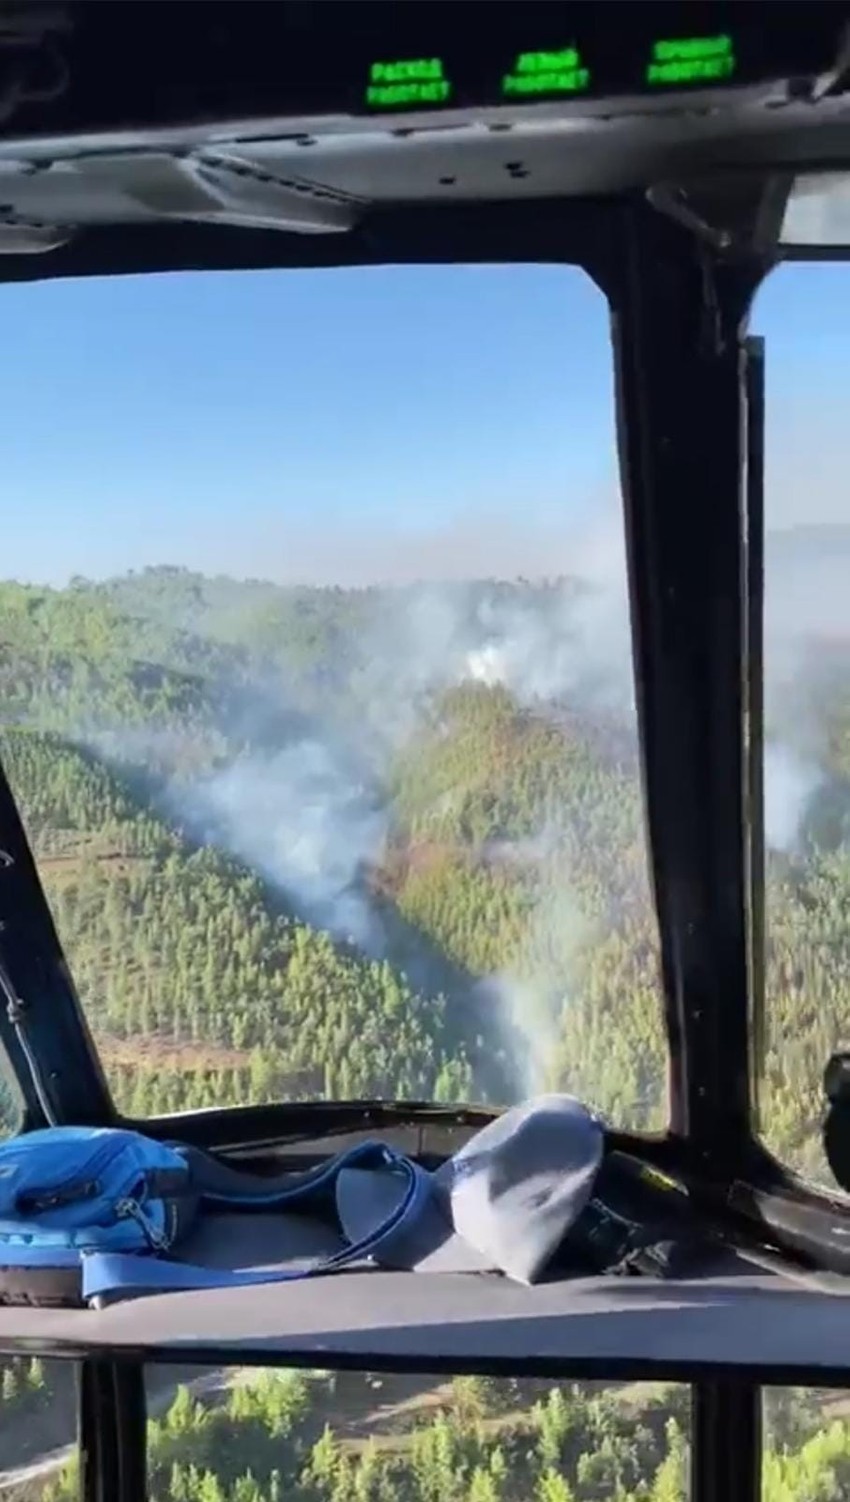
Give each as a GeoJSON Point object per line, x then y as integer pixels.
{"type": "Point", "coordinates": [802, 310]}
{"type": "Point", "coordinates": [316, 684]}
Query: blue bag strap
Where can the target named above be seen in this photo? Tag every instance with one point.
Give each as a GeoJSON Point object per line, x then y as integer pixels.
{"type": "Point", "coordinates": [219, 1184]}
{"type": "Point", "coordinates": [106, 1274]}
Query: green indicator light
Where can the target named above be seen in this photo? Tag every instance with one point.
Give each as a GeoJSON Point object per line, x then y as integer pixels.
{"type": "Point", "coordinates": [558, 72]}
{"type": "Point", "coordinates": [691, 60]}
{"type": "Point", "coordinates": [692, 47]}
{"type": "Point", "coordinates": [410, 70]}
{"type": "Point", "coordinates": [407, 81]}
{"type": "Point", "coordinates": [547, 62]}
{"type": "Point", "coordinates": [574, 82]}
{"type": "Point", "coordinates": [392, 95]}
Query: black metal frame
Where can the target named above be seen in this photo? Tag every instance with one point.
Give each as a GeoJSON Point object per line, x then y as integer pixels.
{"type": "Point", "coordinates": [754, 377]}
{"type": "Point", "coordinates": [726, 1434]}
{"type": "Point", "coordinates": [677, 310]}
{"type": "Point", "coordinates": [112, 1433]}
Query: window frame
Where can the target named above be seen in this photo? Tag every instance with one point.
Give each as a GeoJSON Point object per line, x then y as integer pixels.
{"type": "Point", "coordinates": [678, 307]}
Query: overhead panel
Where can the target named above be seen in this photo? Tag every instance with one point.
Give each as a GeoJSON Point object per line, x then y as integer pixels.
{"type": "Point", "coordinates": [558, 61]}
{"type": "Point", "coordinates": [329, 59]}
{"type": "Point", "coordinates": [311, 115]}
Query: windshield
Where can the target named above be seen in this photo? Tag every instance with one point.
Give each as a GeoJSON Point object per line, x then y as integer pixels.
{"type": "Point", "coordinates": [316, 684]}
{"type": "Point", "coordinates": [802, 310]}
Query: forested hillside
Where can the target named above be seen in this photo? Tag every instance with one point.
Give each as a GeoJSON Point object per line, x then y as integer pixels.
{"type": "Point", "coordinates": [325, 843]}
{"type": "Point", "coordinates": [387, 842]}
{"type": "Point", "coordinates": [433, 962]}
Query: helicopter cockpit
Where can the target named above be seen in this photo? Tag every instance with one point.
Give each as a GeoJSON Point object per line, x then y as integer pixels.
{"type": "Point", "coordinates": [326, 812]}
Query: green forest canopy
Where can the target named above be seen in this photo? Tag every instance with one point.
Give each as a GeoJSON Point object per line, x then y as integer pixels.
{"type": "Point", "coordinates": [519, 944]}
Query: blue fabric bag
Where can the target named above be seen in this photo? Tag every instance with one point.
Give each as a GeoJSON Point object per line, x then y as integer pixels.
{"type": "Point", "coordinates": [90, 1213]}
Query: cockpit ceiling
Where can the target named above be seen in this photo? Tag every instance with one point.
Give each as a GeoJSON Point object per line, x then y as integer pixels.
{"type": "Point", "coordinates": [320, 175]}
{"type": "Point", "coordinates": [87, 143]}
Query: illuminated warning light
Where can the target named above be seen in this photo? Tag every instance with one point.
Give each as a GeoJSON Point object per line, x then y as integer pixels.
{"type": "Point", "coordinates": [572, 82]}
{"type": "Point", "coordinates": [406, 82]}
{"type": "Point", "coordinates": [558, 72]}
{"type": "Point", "coordinates": [547, 62]}
{"type": "Point", "coordinates": [691, 60]}
{"type": "Point", "coordinates": [408, 70]}
{"type": "Point", "coordinates": [391, 95]}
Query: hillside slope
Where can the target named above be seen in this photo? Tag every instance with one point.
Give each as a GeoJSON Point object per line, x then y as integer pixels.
{"type": "Point", "coordinates": [508, 941]}
{"type": "Point", "coordinates": [199, 987]}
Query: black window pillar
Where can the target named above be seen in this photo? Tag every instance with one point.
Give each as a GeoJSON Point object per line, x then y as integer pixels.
{"type": "Point", "coordinates": [679, 307]}
{"type": "Point", "coordinates": [112, 1432]}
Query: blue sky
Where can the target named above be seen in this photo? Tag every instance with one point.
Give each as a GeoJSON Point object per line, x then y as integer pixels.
{"type": "Point", "coordinates": [355, 424]}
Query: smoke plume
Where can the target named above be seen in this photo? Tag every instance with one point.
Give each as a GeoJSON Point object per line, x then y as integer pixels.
{"type": "Point", "coordinates": [304, 820]}
{"type": "Point", "coordinates": [806, 672]}
{"type": "Point", "coordinates": [790, 784]}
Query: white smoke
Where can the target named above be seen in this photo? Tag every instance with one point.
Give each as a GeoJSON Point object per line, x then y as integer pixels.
{"type": "Point", "coordinates": [301, 812]}
{"type": "Point", "coordinates": [531, 851]}
{"type": "Point", "coordinates": [301, 817]}
{"type": "Point", "coordinates": [571, 641]}
{"type": "Point", "coordinates": [489, 665]}
{"type": "Point", "coordinates": [807, 638]}
{"type": "Point", "coordinates": [790, 783]}
{"type": "Point", "coordinates": [534, 992]}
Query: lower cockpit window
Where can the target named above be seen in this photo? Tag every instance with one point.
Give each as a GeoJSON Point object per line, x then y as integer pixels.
{"type": "Point", "coordinates": [324, 1436]}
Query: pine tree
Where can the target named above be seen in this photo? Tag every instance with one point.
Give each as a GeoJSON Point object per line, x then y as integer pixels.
{"type": "Point", "coordinates": [552, 1487]}
{"type": "Point", "coordinates": [670, 1484]}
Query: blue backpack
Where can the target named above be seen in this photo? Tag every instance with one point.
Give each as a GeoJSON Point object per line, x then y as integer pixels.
{"type": "Point", "coordinates": [88, 1214]}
